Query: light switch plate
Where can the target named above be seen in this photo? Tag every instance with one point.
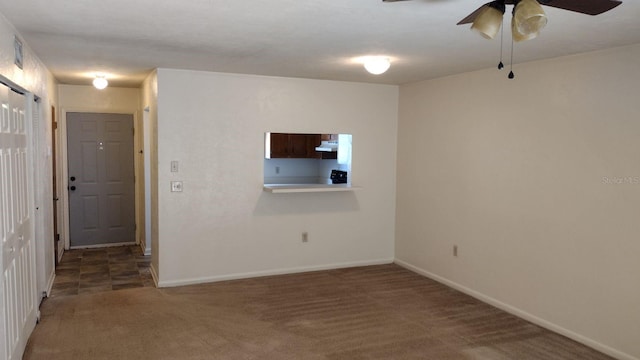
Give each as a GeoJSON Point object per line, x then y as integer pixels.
{"type": "Point", "coordinates": [176, 186]}
{"type": "Point", "coordinates": [174, 166]}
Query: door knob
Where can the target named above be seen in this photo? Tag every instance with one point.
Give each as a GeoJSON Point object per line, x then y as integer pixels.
{"type": "Point", "coordinates": [73, 178]}
{"type": "Point", "coordinates": [72, 188]}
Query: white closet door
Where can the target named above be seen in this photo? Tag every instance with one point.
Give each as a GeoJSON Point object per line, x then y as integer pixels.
{"type": "Point", "coordinates": [18, 301]}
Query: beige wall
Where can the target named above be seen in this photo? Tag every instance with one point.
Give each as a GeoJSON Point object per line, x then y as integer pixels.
{"type": "Point", "coordinates": [74, 98]}
{"type": "Point", "coordinates": [87, 98]}
{"type": "Point", "coordinates": [536, 180]}
{"type": "Point", "coordinates": [223, 225]}
{"type": "Point", "coordinates": [36, 79]}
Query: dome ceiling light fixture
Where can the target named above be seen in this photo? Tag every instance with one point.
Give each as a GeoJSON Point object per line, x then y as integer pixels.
{"type": "Point", "coordinates": [100, 82]}
{"type": "Point", "coordinates": [528, 17]}
{"type": "Point", "coordinates": [376, 65]}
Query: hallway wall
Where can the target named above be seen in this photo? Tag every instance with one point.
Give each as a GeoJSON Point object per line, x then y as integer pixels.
{"type": "Point", "coordinates": [35, 78]}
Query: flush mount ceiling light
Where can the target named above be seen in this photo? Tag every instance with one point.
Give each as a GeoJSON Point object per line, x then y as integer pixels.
{"type": "Point", "coordinates": [100, 82]}
{"type": "Point", "coordinates": [377, 65]}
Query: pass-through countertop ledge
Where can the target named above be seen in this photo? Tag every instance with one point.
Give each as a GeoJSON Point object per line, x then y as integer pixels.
{"type": "Point", "coordinates": [307, 188]}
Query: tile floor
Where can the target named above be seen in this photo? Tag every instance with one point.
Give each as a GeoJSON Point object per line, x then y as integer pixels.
{"type": "Point", "coordinates": [84, 271]}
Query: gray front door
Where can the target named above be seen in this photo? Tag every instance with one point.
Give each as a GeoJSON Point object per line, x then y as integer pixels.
{"type": "Point", "coordinates": [101, 182]}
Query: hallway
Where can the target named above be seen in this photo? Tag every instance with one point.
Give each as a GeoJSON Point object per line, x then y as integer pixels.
{"type": "Point", "coordinates": [84, 271]}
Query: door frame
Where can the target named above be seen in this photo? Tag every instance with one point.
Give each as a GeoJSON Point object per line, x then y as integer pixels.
{"type": "Point", "coordinates": [54, 183]}
{"type": "Point", "coordinates": [146, 185]}
{"type": "Point", "coordinates": [63, 175]}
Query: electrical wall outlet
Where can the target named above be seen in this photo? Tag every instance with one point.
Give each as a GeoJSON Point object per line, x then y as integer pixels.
{"type": "Point", "coordinates": [176, 186]}
{"type": "Point", "coordinates": [305, 237]}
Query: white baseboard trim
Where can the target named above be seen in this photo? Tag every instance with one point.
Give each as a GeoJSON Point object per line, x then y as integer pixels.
{"type": "Point", "coordinates": [237, 276]}
{"type": "Point", "coordinates": [154, 274]}
{"type": "Point", "coordinates": [145, 250]}
{"type": "Point", "coordinates": [102, 245]}
{"type": "Point", "coordinates": [520, 313]}
{"type": "Point", "coordinates": [50, 283]}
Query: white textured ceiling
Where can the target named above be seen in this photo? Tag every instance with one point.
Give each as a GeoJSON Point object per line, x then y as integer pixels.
{"type": "Point", "coordinates": [296, 38]}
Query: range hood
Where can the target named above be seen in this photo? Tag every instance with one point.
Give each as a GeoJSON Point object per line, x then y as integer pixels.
{"type": "Point", "coordinates": [328, 146]}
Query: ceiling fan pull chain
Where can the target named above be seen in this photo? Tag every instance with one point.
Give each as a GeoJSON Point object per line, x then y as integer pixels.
{"type": "Point", "coordinates": [511, 75]}
{"type": "Point", "coordinates": [500, 64]}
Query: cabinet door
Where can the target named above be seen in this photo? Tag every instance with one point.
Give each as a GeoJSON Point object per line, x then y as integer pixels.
{"type": "Point", "coordinates": [279, 145]}
{"type": "Point", "coordinates": [313, 140]}
{"type": "Point", "coordinates": [298, 145]}
{"type": "Point", "coordinates": [294, 146]}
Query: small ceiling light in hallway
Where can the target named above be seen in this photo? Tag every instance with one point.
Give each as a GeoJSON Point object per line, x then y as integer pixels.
{"type": "Point", "coordinates": [100, 82]}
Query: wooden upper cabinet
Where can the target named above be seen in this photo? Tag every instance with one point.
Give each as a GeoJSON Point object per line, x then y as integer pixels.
{"type": "Point", "coordinates": [279, 145]}
{"type": "Point", "coordinates": [313, 140]}
{"type": "Point", "coordinates": [328, 137]}
{"type": "Point", "coordinates": [298, 145]}
{"type": "Point", "coordinates": [294, 146]}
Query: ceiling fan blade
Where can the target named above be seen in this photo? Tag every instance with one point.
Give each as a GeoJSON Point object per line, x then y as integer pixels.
{"type": "Point", "coordinates": [590, 7]}
{"type": "Point", "coordinates": [469, 19]}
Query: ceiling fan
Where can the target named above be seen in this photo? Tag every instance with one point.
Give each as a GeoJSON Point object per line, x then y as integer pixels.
{"type": "Point", "coordinates": [589, 7]}
{"type": "Point", "coordinates": [528, 15]}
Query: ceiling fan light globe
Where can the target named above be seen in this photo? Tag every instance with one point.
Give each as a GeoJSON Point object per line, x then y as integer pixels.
{"type": "Point", "coordinates": [518, 36]}
{"type": "Point", "coordinates": [529, 17]}
{"type": "Point", "coordinates": [488, 22]}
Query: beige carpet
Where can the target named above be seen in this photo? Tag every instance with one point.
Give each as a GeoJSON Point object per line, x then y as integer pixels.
{"type": "Point", "coordinates": [376, 312]}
